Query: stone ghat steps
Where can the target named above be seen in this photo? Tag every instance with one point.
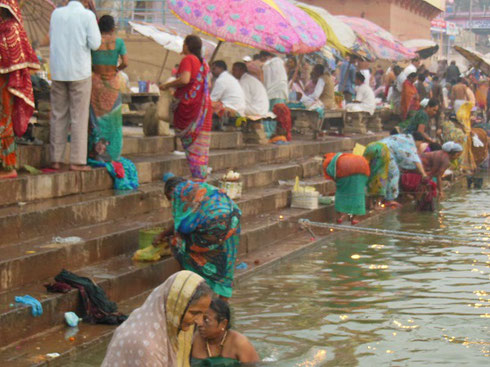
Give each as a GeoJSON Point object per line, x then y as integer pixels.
{"type": "Point", "coordinates": [134, 143]}
{"type": "Point", "coordinates": [110, 235]}
{"type": "Point", "coordinates": [123, 279]}
{"type": "Point", "coordinates": [152, 166]}
{"type": "Point", "coordinates": [54, 216]}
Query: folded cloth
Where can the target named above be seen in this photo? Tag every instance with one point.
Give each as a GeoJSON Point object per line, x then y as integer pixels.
{"type": "Point", "coordinates": [37, 308]}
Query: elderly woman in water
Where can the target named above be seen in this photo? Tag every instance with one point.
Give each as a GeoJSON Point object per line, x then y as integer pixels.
{"type": "Point", "coordinates": [160, 332]}
{"type": "Point", "coordinates": [206, 231]}
{"type": "Point", "coordinates": [216, 344]}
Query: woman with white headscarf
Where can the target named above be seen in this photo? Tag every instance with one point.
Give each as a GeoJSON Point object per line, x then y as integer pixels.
{"type": "Point", "coordinates": [436, 163]}
{"type": "Point", "coordinates": [160, 332]}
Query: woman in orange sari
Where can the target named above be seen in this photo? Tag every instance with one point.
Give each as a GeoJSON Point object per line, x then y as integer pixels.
{"type": "Point", "coordinates": [16, 95]}
{"type": "Point", "coordinates": [410, 96]}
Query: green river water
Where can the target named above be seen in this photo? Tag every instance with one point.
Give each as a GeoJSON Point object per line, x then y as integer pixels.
{"type": "Point", "coordinates": [370, 300]}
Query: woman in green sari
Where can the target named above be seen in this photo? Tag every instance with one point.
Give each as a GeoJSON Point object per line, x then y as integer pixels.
{"type": "Point", "coordinates": [378, 156]}
{"type": "Point", "coordinates": [350, 173]}
{"type": "Point", "coordinates": [205, 232]}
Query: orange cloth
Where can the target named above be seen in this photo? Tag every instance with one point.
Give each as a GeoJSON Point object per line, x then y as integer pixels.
{"type": "Point", "coordinates": [348, 164]}
{"type": "Point", "coordinates": [410, 98]}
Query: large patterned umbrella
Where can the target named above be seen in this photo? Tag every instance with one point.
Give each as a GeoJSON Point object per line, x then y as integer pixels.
{"type": "Point", "coordinates": [270, 25]}
{"type": "Point", "coordinates": [339, 35]}
{"type": "Point", "coordinates": [36, 14]}
{"type": "Point", "coordinates": [382, 42]}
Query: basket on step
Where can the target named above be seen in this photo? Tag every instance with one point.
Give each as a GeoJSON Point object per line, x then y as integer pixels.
{"type": "Point", "coordinates": [305, 200]}
{"type": "Point", "coordinates": [147, 251]}
{"type": "Point", "coordinates": [233, 188]}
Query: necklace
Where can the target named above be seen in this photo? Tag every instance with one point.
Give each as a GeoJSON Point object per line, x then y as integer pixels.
{"type": "Point", "coordinates": [220, 345]}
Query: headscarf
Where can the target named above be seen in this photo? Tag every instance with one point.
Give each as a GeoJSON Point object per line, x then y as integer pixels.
{"type": "Point", "coordinates": [451, 146]}
{"type": "Point", "coordinates": [16, 58]}
{"type": "Point", "coordinates": [151, 334]}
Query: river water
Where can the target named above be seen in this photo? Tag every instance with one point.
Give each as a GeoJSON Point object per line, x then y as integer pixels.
{"type": "Point", "coordinates": [371, 300]}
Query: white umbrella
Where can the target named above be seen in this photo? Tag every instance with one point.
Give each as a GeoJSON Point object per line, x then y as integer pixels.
{"type": "Point", "coordinates": [168, 37]}
{"type": "Point", "coordinates": [424, 47]}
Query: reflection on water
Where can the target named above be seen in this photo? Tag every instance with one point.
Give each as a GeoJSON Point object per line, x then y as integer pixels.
{"type": "Point", "coordinates": [364, 300]}
{"type": "Point", "coordinates": [372, 300]}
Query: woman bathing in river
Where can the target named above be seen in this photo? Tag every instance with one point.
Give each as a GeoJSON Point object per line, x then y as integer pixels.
{"type": "Point", "coordinates": [205, 232]}
{"type": "Point", "coordinates": [216, 345]}
{"type": "Point", "coordinates": [160, 332]}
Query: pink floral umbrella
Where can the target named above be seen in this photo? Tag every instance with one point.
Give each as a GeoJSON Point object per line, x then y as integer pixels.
{"type": "Point", "coordinates": [270, 25]}
{"type": "Point", "coordinates": [382, 42]}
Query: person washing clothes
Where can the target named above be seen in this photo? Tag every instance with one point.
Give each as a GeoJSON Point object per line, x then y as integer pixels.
{"type": "Point", "coordinates": [350, 173]}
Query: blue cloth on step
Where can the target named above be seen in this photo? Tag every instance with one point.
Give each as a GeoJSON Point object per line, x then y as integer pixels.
{"type": "Point", "coordinates": [37, 308]}
{"type": "Point", "coordinates": [130, 179]}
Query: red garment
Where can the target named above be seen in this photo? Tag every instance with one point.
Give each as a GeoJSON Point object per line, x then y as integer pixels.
{"type": "Point", "coordinates": [16, 58]}
{"type": "Point", "coordinates": [283, 114]}
{"type": "Point", "coordinates": [190, 105]}
{"type": "Point", "coordinates": [118, 169]}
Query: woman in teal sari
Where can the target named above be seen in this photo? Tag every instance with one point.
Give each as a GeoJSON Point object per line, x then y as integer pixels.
{"type": "Point", "coordinates": [105, 129]}
{"type": "Point", "coordinates": [350, 173]}
{"type": "Point", "coordinates": [206, 231]}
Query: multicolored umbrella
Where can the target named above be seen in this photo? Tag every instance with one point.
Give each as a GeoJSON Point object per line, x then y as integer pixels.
{"type": "Point", "coordinates": [425, 48]}
{"type": "Point", "coordinates": [382, 42]}
{"type": "Point", "coordinates": [270, 25]}
{"type": "Point", "coordinates": [36, 15]}
{"type": "Point", "coordinates": [339, 35]}
{"type": "Point", "coordinates": [475, 58]}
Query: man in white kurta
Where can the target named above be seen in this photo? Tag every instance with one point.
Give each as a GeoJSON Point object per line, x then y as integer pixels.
{"type": "Point", "coordinates": [275, 78]}
{"type": "Point", "coordinates": [227, 89]}
{"type": "Point", "coordinates": [256, 99]}
{"type": "Point", "coordinates": [365, 100]}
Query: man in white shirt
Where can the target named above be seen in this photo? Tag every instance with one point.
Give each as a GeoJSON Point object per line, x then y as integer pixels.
{"type": "Point", "coordinates": [256, 100]}
{"type": "Point", "coordinates": [227, 92]}
{"type": "Point", "coordinates": [275, 78]}
{"type": "Point", "coordinates": [412, 68]}
{"type": "Point", "coordinates": [73, 33]}
{"type": "Point", "coordinates": [365, 99]}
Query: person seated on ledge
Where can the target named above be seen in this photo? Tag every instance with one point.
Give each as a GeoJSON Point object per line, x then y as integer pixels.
{"type": "Point", "coordinates": [365, 100]}
{"type": "Point", "coordinates": [227, 97]}
{"type": "Point", "coordinates": [323, 88]}
{"type": "Point", "coordinates": [256, 100]}
{"type": "Point", "coordinates": [216, 344]}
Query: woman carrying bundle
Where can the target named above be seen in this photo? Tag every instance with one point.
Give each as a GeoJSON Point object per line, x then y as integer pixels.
{"type": "Point", "coordinates": [350, 173]}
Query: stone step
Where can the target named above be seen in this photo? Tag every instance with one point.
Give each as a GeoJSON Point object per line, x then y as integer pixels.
{"type": "Point", "coordinates": [53, 216]}
{"type": "Point", "coordinates": [151, 167]}
{"type": "Point", "coordinates": [122, 279]}
{"type": "Point", "coordinates": [109, 236]}
{"type": "Point", "coordinates": [134, 143]}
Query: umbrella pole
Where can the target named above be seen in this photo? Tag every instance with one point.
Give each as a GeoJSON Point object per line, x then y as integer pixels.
{"type": "Point", "coordinates": [163, 66]}
{"type": "Point", "coordinates": [215, 51]}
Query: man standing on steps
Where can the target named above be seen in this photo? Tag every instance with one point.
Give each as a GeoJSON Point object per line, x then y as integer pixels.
{"type": "Point", "coordinates": [73, 34]}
